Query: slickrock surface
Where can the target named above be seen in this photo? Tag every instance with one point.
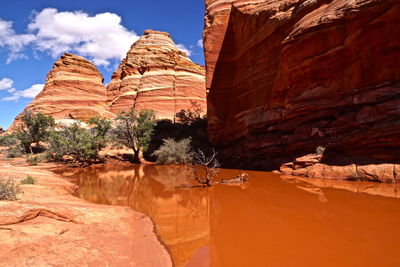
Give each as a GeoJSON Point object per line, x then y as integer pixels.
{"type": "Point", "coordinates": [49, 226]}
{"type": "Point", "coordinates": [157, 75]}
{"type": "Point", "coordinates": [74, 89]}
{"type": "Point", "coordinates": [285, 76]}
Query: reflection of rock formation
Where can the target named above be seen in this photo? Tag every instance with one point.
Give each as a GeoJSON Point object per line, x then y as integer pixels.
{"type": "Point", "coordinates": [181, 216]}
{"type": "Point", "coordinates": [316, 185]}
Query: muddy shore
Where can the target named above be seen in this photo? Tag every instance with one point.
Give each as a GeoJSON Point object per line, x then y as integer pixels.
{"type": "Point", "coordinates": [49, 226]}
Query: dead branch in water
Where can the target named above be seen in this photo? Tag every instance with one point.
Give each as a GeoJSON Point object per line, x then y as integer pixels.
{"type": "Point", "coordinates": [205, 168]}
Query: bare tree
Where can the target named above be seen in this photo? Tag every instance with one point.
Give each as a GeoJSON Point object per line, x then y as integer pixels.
{"type": "Point", "coordinates": [204, 168]}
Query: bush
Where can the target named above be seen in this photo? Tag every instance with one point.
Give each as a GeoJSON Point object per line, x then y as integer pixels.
{"type": "Point", "coordinates": [34, 159]}
{"type": "Point", "coordinates": [9, 189]}
{"type": "Point", "coordinates": [77, 144]}
{"type": "Point", "coordinates": [15, 152]}
{"type": "Point", "coordinates": [190, 115]}
{"type": "Point", "coordinates": [320, 150]}
{"type": "Point", "coordinates": [73, 144]}
{"type": "Point", "coordinates": [35, 129]}
{"type": "Point", "coordinates": [29, 180]}
{"type": "Point", "coordinates": [134, 130]}
{"type": "Point", "coordinates": [8, 140]}
{"type": "Point", "coordinates": [174, 152]}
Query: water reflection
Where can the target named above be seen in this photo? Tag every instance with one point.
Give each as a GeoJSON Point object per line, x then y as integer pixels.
{"type": "Point", "coordinates": [271, 222]}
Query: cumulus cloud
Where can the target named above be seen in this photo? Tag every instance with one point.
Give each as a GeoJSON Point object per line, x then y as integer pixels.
{"type": "Point", "coordinates": [12, 41]}
{"type": "Point", "coordinates": [101, 37]}
{"type": "Point", "coordinates": [31, 92]}
{"type": "Point", "coordinates": [183, 48]}
{"type": "Point", "coordinates": [6, 84]}
{"type": "Point", "coordinates": [200, 43]}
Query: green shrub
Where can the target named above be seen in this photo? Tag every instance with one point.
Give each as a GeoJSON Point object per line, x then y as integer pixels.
{"type": "Point", "coordinates": [29, 180]}
{"type": "Point", "coordinates": [8, 140]}
{"type": "Point", "coordinates": [174, 152]}
{"type": "Point", "coordinates": [15, 152]}
{"type": "Point", "coordinates": [190, 115]}
{"type": "Point", "coordinates": [34, 159]}
{"type": "Point", "coordinates": [320, 150]}
{"type": "Point", "coordinates": [9, 189]}
{"type": "Point", "coordinates": [35, 129]}
{"type": "Point", "coordinates": [134, 130]}
{"type": "Point", "coordinates": [77, 144]}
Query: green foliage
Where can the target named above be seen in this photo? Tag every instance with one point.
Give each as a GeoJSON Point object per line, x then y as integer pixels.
{"type": "Point", "coordinates": [99, 132]}
{"type": "Point", "coordinates": [74, 144]}
{"type": "Point", "coordinates": [320, 150]}
{"type": "Point", "coordinates": [35, 129]}
{"type": "Point", "coordinates": [8, 140]}
{"type": "Point", "coordinates": [190, 115]}
{"type": "Point", "coordinates": [165, 129]}
{"type": "Point", "coordinates": [34, 159]}
{"type": "Point", "coordinates": [9, 189]}
{"type": "Point", "coordinates": [174, 152]}
{"type": "Point", "coordinates": [77, 144]}
{"type": "Point", "coordinates": [15, 152]}
{"type": "Point", "coordinates": [134, 130]}
{"type": "Point", "coordinates": [29, 180]}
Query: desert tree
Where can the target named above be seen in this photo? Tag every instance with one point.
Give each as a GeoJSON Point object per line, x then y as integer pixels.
{"type": "Point", "coordinates": [134, 130]}
{"type": "Point", "coordinates": [35, 128]}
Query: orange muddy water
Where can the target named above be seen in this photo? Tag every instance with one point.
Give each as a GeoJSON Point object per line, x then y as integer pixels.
{"type": "Point", "coordinates": [270, 221]}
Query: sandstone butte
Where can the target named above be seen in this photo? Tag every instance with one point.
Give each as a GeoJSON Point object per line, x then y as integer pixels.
{"type": "Point", "coordinates": [74, 89]}
{"type": "Point", "coordinates": [154, 75]}
{"type": "Point", "coordinates": [287, 76]}
{"type": "Point", "coordinates": [48, 226]}
{"type": "Point", "coordinates": [157, 75]}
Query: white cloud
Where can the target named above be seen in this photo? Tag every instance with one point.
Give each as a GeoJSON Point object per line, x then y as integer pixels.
{"type": "Point", "coordinates": [31, 92]}
{"type": "Point", "coordinates": [101, 37]}
{"type": "Point", "coordinates": [6, 84]}
{"type": "Point", "coordinates": [15, 43]}
{"type": "Point", "coordinates": [183, 48]}
{"type": "Point", "coordinates": [200, 43]}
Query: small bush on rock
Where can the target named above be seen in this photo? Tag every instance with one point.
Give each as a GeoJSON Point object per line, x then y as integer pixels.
{"type": "Point", "coordinates": [9, 189]}
{"type": "Point", "coordinates": [8, 140]}
{"type": "Point", "coordinates": [29, 180]}
{"type": "Point", "coordinates": [15, 152]}
{"type": "Point", "coordinates": [174, 152]}
{"type": "Point", "coordinates": [34, 159]}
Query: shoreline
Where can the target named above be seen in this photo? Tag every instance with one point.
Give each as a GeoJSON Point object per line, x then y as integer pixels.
{"type": "Point", "coordinates": [48, 225]}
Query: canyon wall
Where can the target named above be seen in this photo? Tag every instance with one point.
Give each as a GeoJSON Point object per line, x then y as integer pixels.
{"type": "Point", "coordinates": [157, 75]}
{"type": "Point", "coordinates": [286, 76]}
{"type": "Point", "coordinates": [74, 89]}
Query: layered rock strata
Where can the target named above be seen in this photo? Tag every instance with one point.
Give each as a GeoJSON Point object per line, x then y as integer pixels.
{"type": "Point", "coordinates": [287, 76]}
{"type": "Point", "coordinates": [74, 89]}
{"type": "Point", "coordinates": [157, 75]}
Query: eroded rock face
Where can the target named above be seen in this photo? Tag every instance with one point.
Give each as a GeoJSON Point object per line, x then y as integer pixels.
{"type": "Point", "coordinates": [74, 89]}
{"type": "Point", "coordinates": [285, 76]}
{"type": "Point", "coordinates": [157, 75]}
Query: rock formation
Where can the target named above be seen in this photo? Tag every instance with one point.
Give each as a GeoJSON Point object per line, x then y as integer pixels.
{"type": "Point", "coordinates": [74, 89]}
{"type": "Point", "coordinates": [157, 75]}
{"type": "Point", "coordinates": [287, 76]}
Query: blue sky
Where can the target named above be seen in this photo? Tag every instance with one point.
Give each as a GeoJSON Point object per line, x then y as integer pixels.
{"type": "Point", "coordinates": [33, 33]}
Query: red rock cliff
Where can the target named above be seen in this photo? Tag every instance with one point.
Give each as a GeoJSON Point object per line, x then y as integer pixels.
{"type": "Point", "coordinates": [285, 76]}
{"type": "Point", "coordinates": [74, 89]}
{"type": "Point", "coordinates": [157, 75]}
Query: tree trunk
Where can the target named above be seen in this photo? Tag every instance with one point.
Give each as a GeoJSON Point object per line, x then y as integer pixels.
{"type": "Point", "coordinates": [136, 158]}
